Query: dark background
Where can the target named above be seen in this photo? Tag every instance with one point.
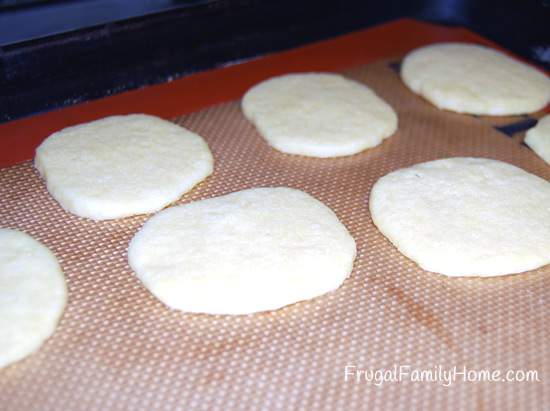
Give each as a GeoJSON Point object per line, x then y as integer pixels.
{"type": "Point", "coordinates": [55, 53]}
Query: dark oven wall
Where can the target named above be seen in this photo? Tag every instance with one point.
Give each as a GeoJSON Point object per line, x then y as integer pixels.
{"type": "Point", "coordinates": [56, 53]}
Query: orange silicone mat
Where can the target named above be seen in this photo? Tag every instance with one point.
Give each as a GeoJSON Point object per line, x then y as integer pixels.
{"type": "Point", "coordinates": [118, 348]}
{"type": "Point", "coordinates": [194, 92]}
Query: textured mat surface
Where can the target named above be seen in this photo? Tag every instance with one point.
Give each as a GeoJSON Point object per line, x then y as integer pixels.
{"type": "Point", "coordinates": [118, 348]}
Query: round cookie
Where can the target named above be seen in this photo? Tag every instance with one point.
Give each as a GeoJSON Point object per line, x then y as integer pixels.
{"type": "Point", "coordinates": [465, 216]}
{"type": "Point", "coordinates": [318, 114]}
{"type": "Point", "coordinates": [474, 79]}
{"type": "Point", "coordinates": [33, 295]}
{"type": "Point", "coordinates": [248, 251]}
{"type": "Point", "coordinates": [122, 165]}
{"type": "Point", "coordinates": [538, 138]}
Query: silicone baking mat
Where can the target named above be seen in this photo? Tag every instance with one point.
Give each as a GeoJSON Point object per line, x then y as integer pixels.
{"type": "Point", "coordinates": [118, 348]}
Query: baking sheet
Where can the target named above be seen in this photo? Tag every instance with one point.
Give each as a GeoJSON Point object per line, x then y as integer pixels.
{"type": "Point", "coordinates": [118, 348]}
